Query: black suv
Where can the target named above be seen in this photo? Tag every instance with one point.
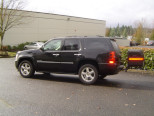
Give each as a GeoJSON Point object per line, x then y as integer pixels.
{"type": "Point", "coordinates": [90, 57]}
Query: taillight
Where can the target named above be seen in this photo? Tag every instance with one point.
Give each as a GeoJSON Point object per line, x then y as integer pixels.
{"type": "Point", "coordinates": [112, 57]}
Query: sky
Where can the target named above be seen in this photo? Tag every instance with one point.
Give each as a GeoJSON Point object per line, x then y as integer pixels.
{"type": "Point", "coordinates": [114, 12]}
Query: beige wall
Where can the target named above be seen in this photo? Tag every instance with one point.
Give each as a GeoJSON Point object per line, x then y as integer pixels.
{"type": "Point", "coordinates": [39, 27]}
{"type": "Point", "coordinates": [123, 42]}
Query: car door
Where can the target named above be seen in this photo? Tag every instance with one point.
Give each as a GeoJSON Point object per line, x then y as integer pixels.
{"type": "Point", "coordinates": [49, 59]}
{"type": "Point", "coordinates": [70, 55]}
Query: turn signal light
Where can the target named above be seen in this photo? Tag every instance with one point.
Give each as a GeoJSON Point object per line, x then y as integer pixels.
{"type": "Point", "coordinates": [136, 59]}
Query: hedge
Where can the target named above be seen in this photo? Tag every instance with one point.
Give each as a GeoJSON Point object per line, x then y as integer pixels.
{"type": "Point", "coordinates": [148, 57]}
{"type": "Point", "coordinates": [17, 47]}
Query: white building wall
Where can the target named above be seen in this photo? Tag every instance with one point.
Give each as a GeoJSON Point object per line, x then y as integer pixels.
{"type": "Point", "coordinates": [123, 42]}
{"type": "Point", "coordinates": [40, 27]}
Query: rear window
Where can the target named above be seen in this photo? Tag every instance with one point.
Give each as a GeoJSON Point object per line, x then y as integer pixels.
{"type": "Point", "coordinates": [97, 43]}
{"type": "Point", "coordinates": [115, 46]}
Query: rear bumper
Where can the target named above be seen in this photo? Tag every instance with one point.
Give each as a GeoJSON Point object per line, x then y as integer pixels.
{"type": "Point", "coordinates": [109, 69]}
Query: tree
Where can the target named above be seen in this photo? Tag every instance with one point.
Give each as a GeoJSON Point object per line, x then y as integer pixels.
{"type": "Point", "coordinates": [112, 32]}
{"type": "Point", "coordinates": [152, 35]}
{"type": "Point", "coordinates": [108, 30]}
{"type": "Point", "coordinates": [139, 33]}
{"type": "Point", "coordinates": [10, 16]}
{"type": "Point", "coordinates": [118, 31]}
{"type": "Point", "coordinates": [124, 33]}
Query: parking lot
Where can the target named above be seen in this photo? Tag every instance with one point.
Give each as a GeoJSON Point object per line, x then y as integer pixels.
{"type": "Point", "coordinates": [124, 94]}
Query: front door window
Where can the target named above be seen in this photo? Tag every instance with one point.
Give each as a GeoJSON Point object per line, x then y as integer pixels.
{"type": "Point", "coordinates": [53, 45]}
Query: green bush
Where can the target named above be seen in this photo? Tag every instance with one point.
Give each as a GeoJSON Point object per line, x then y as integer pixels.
{"type": "Point", "coordinates": [9, 48]}
{"type": "Point", "coordinates": [21, 46]}
{"type": "Point", "coordinates": [148, 57]}
{"type": "Point", "coordinates": [15, 48]}
{"type": "Point", "coordinates": [18, 47]}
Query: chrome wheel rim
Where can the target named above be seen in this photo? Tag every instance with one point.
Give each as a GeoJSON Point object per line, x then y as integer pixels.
{"type": "Point", "coordinates": [25, 69]}
{"type": "Point", "coordinates": [88, 74]}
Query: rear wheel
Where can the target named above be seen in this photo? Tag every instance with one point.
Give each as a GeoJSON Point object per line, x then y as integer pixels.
{"type": "Point", "coordinates": [26, 69]}
{"type": "Point", "coordinates": [88, 74]}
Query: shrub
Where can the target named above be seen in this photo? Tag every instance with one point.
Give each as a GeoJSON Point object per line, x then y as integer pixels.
{"type": "Point", "coordinates": [9, 48]}
{"type": "Point", "coordinates": [15, 48]}
{"type": "Point", "coordinates": [149, 59]}
{"type": "Point", "coordinates": [21, 46]}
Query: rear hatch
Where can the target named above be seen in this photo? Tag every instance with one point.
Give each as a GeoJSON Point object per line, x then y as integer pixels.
{"type": "Point", "coordinates": [117, 51]}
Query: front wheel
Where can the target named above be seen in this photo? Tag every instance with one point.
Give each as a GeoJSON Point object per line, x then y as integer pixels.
{"type": "Point", "coordinates": [88, 74]}
{"type": "Point", "coordinates": [26, 69]}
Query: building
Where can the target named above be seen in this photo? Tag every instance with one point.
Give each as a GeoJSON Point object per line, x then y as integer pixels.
{"type": "Point", "coordinates": [122, 41]}
{"type": "Point", "coordinates": [44, 26]}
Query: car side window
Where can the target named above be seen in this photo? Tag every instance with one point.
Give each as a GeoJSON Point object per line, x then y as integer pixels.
{"type": "Point", "coordinates": [53, 45]}
{"type": "Point", "coordinates": [71, 44]}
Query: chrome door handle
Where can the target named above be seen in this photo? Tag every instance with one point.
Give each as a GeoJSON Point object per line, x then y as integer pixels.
{"type": "Point", "coordinates": [55, 54]}
{"type": "Point", "coordinates": [77, 54]}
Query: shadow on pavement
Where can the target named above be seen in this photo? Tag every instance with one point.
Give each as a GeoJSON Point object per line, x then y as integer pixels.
{"type": "Point", "coordinates": [58, 78]}
{"type": "Point", "coordinates": [115, 83]}
{"type": "Point", "coordinates": [126, 84]}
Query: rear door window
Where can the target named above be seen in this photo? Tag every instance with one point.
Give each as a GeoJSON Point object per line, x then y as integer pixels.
{"type": "Point", "coordinates": [71, 44]}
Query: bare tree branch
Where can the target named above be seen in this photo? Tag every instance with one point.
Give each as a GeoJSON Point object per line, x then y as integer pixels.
{"type": "Point", "coordinates": [10, 15]}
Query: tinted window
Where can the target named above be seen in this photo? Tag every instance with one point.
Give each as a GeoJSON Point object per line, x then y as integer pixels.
{"type": "Point", "coordinates": [96, 43]}
{"type": "Point", "coordinates": [53, 45]}
{"type": "Point", "coordinates": [115, 46]}
{"type": "Point", "coordinates": [71, 44]}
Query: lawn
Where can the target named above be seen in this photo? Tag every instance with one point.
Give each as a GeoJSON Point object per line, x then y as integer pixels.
{"type": "Point", "coordinates": [7, 54]}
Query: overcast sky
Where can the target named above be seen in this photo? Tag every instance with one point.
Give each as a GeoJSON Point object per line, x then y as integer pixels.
{"type": "Point", "coordinates": [125, 12]}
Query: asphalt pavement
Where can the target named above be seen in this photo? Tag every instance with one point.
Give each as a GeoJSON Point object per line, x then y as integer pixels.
{"type": "Point", "coordinates": [124, 94]}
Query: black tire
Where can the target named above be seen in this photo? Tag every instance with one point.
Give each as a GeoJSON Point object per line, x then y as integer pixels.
{"type": "Point", "coordinates": [26, 69]}
{"type": "Point", "coordinates": [88, 77]}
